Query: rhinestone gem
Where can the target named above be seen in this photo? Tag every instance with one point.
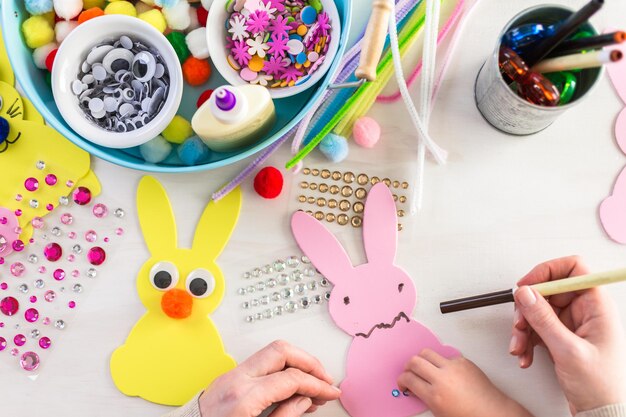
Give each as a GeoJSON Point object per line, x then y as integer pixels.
{"type": "Point", "coordinates": [31, 315]}
{"type": "Point", "coordinates": [82, 196]}
{"type": "Point", "coordinates": [19, 340]}
{"type": "Point", "coordinates": [297, 275]}
{"type": "Point", "coordinates": [267, 269]}
{"type": "Point", "coordinates": [31, 184]}
{"type": "Point", "coordinates": [59, 324]}
{"type": "Point", "coordinates": [17, 269]}
{"type": "Point", "coordinates": [49, 296]}
{"type": "Point", "coordinates": [53, 252]}
{"type": "Point", "coordinates": [283, 279]}
{"type": "Point", "coordinates": [324, 282]}
{"type": "Point", "coordinates": [246, 275]}
{"type": "Point", "coordinates": [23, 288]}
{"type": "Point", "coordinates": [45, 342]}
{"type": "Point", "coordinates": [241, 291]}
{"type": "Point", "coordinates": [271, 283]}
{"type": "Point", "coordinates": [291, 307]}
{"type": "Point", "coordinates": [305, 259]}
{"type": "Point", "coordinates": [278, 310]}
{"type": "Point", "coordinates": [260, 286]}
{"type": "Point", "coordinates": [249, 319]}
{"type": "Point", "coordinates": [258, 316]}
{"type": "Point", "coordinates": [34, 333]}
{"type": "Point", "coordinates": [56, 232]}
{"type": "Point", "coordinates": [9, 306]}
{"type": "Point", "coordinates": [58, 274]}
{"type": "Point", "coordinates": [279, 265]}
{"type": "Point", "coordinates": [18, 245]}
{"type": "Point", "coordinates": [254, 302]}
{"type": "Point", "coordinates": [3, 343]}
{"type": "Point", "coordinates": [67, 219]}
{"type": "Point", "coordinates": [305, 302]}
{"type": "Point", "coordinates": [250, 289]}
{"type": "Point", "coordinates": [32, 258]}
{"type": "Point", "coordinates": [286, 293]}
{"type": "Point", "coordinates": [309, 272]}
{"type": "Point", "coordinates": [256, 272]}
{"type": "Point", "coordinates": [317, 299]}
{"type": "Point", "coordinates": [40, 165]}
{"type": "Point", "coordinates": [91, 236]}
{"type": "Point", "coordinates": [268, 314]}
{"type": "Point", "coordinates": [39, 284]}
{"type": "Point", "coordinates": [77, 249]}
{"type": "Point", "coordinates": [327, 295]}
{"type": "Point", "coordinates": [245, 304]}
{"type": "Point", "coordinates": [264, 300]}
{"type": "Point", "coordinates": [51, 179]}
{"type": "Point", "coordinates": [276, 296]}
{"type": "Point", "coordinates": [29, 361]}
{"type": "Point", "coordinates": [119, 213]}
{"type": "Point", "coordinates": [299, 289]}
{"type": "Point", "coordinates": [33, 203]}
{"type": "Point", "coordinates": [100, 210]}
{"type": "Point", "coordinates": [312, 285]}
{"type": "Point", "coordinates": [293, 261]}
{"type": "Point", "coordinates": [92, 273]}
{"type": "Point", "coordinates": [77, 288]}
{"type": "Point", "coordinates": [63, 200]}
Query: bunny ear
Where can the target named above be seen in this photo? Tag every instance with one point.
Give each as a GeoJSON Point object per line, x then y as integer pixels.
{"type": "Point", "coordinates": [380, 222]}
{"type": "Point", "coordinates": [156, 217]}
{"type": "Point", "coordinates": [217, 224]}
{"type": "Point", "coordinates": [321, 246]}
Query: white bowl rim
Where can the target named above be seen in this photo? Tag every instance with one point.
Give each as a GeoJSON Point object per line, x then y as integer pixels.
{"type": "Point", "coordinates": [68, 61]}
{"type": "Point", "coordinates": [215, 24]}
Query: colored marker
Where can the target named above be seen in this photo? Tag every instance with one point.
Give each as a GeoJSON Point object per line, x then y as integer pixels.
{"type": "Point", "coordinates": [578, 61]}
{"type": "Point", "coordinates": [572, 46]}
{"type": "Point", "coordinates": [569, 26]}
{"type": "Point", "coordinates": [583, 282]}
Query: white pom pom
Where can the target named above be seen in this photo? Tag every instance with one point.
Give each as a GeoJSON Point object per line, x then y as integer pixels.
{"type": "Point", "coordinates": [193, 20]}
{"type": "Point", "coordinates": [40, 54]}
{"type": "Point", "coordinates": [68, 9]}
{"type": "Point", "coordinates": [207, 4]}
{"type": "Point", "coordinates": [177, 17]}
{"type": "Point", "coordinates": [63, 28]}
{"type": "Point", "coordinates": [197, 43]}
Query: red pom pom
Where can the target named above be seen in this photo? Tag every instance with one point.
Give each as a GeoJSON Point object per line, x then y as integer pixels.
{"type": "Point", "coordinates": [50, 59]}
{"type": "Point", "coordinates": [204, 97]}
{"type": "Point", "coordinates": [203, 14]}
{"type": "Point", "coordinates": [268, 183]}
{"type": "Point", "coordinates": [196, 71]}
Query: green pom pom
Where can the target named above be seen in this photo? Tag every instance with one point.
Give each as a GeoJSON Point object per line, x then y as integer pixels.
{"type": "Point", "coordinates": [177, 39]}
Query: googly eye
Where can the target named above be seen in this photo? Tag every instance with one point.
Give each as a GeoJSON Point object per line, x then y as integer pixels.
{"type": "Point", "coordinates": [164, 276]}
{"type": "Point", "coordinates": [117, 60]}
{"type": "Point", "coordinates": [144, 66]}
{"type": "Point", "coordinates": [1, 103]}
{"type": "Point", "coordinates": [200, 283]}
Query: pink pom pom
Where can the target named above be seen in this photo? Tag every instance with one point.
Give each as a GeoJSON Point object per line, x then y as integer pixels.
{"type": "Point", "coordinates": [366, 132]}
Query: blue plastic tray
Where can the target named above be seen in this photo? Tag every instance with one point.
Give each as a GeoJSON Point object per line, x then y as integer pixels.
{"type": "Point", "coordinates": [289, 110]}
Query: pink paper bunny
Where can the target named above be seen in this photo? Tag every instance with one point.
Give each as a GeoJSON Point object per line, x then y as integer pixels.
{"type": "Point", "coordinates": [613, 208]}
{"type": "Point", "coordinates": [372, 302]}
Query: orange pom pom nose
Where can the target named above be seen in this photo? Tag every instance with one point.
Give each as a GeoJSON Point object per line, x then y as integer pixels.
{"type": "Point", "coordinates": [177, 304]}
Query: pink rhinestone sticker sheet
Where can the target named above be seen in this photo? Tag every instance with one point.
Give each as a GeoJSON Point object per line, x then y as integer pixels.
{"type": "Point", "coordinates": [44, 283]}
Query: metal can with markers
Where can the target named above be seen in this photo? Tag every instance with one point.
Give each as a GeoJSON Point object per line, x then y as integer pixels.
{"type": "Point", "coordinates": [502, 107]}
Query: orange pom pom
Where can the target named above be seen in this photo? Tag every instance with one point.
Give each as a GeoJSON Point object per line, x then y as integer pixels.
{"type": "Point", "coordinates": [177, 304]}
{"type": "Point", "coordinates": [196, 71]}
{"type": "Point", "coordinates": [90, 14]}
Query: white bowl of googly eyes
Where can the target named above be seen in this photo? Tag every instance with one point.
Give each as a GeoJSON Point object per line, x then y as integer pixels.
{"type": "Point", "coordinates": [287, 50]}
{"type": "Point", "coordinates": [117, 81]}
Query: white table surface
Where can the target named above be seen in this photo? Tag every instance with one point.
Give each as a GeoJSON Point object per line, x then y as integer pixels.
{"type": "Point", "coordinates": [500, 206]}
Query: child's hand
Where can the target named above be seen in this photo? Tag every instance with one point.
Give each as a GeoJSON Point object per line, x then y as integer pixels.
{"type": "Point", "coordinates": [279, 374]}
{"type": "Point", "coordinates": [582, 332]}
{"type": "Point", "coordinates": [456, 388]}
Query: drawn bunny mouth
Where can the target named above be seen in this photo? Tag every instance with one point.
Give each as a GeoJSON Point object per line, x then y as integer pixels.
{"type": "Point", "coordinates": [391, 325]}
{"type": "Point", "coordinates": [4, 145]}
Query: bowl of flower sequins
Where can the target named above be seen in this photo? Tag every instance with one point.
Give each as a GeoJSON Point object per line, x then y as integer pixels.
{"type": "Point", "coordinates": [117, 81]}
{"type": "Point", "coordinates": [286, 46]}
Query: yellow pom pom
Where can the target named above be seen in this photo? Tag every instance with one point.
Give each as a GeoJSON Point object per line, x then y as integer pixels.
{"type": "Point", "coordinates": [155, 18]}
{"type": "Point", "coordinates": [88, 4]}
{"type": "Point", "coordinates": [37, 31]}
{"type": "Point", "coordinates": [178, 130]}
{"type": "Point", "coordinates": [121, 7]}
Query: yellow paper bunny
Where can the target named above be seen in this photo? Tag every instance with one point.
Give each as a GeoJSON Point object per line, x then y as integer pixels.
{"type": "Point", "coordinates": [24, 141]}
{"type": "Point", "coordinates": [174, 351]}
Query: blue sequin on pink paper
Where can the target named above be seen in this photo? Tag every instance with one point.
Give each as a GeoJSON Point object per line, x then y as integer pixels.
{"type": "Point", "coordinates": [277, 43]}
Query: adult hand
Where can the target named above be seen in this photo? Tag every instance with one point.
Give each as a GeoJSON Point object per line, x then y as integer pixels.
{"type": "Point", "coordinates": [279, 374]}
{"type": "Point", "coordinates": [582, 332]}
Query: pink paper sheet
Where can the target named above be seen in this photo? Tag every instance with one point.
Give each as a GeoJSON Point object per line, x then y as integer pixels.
{"type": "Point", "coordinates": [372, 302]}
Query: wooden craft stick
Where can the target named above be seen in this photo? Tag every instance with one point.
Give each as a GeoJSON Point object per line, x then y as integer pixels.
{"type": "Point", "coordinates": [546, 289]}
{"type": "Point", "coordinates": [374, 40]}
